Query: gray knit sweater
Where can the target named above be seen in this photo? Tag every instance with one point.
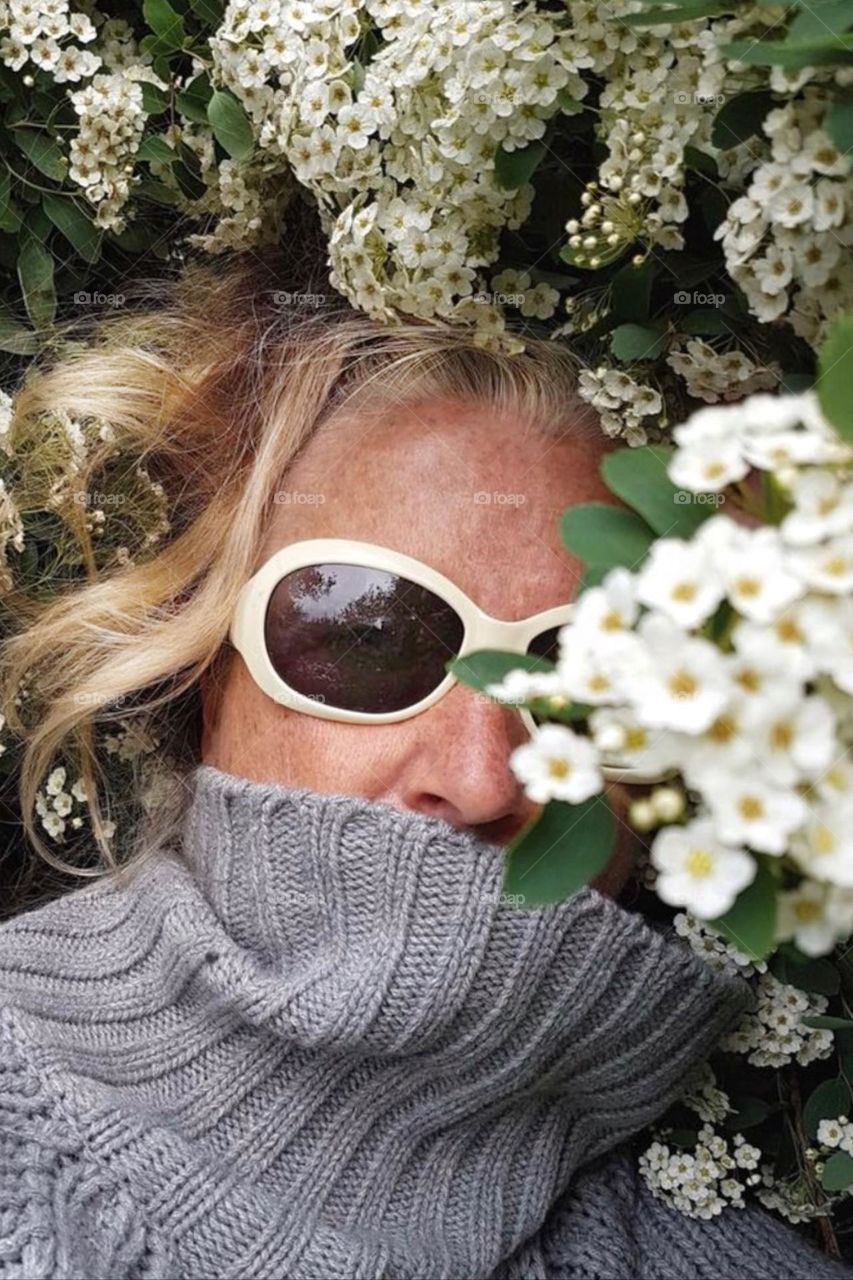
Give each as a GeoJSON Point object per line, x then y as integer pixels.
{"type": "Point", "coordinates": [311, 1040]}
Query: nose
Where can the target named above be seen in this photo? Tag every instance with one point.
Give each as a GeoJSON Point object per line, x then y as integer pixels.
{"type": "Point", "coordinates": [462, 772]}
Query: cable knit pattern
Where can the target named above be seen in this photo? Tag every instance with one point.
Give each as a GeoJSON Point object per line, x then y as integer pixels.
{"type": "Point", "coordinates": [313, 1041]}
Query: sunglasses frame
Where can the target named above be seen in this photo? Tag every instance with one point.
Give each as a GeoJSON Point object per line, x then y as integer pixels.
{"type": "Point", "coordinates": [481, 630]}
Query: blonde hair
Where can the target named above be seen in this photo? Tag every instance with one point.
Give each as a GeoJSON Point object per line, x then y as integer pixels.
{"type": "Point", "coordinates": [217, 384]}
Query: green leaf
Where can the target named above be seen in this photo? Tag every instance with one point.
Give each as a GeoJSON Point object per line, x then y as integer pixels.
{"type": "Point", "coordinates": [705, 321]}
{"type": "Point", "coordinates": [768, 53]}
{"type": "Point", "coordinates": [749, 1111]}
{"type": "Point", "coordinates": [210, 11]}
{"type": "Point", "coordinates": [631, 291]}
{"type": "Point", "coordinates": [74, 225]}
{"type": "Point", "coordinates": [230, 124]}
{"type": "Point", "coordinates": [35, 275]}
{"type": "Point", "coordinates": [157, 192]}
{"type": "Point", "coordinates": [156, 148]}
{"type": "Point", "coordinates": [514, 168]}
{"type": "Point", "coordinates": [42, 151]}
{"type": "Point", "coordinates": [818, 976]}
{"type": "Point", "coordinates": [164, 22]}
{"type": "Point", "coordinates": [740, 118]}
{"type": "Point", "coordinates": [10, 218]}
{"type": "Point", "coordinates": [16, 337]}
{"type": "Point", "coordinates": [685, 12]}
{"type": "Point", "coordinates": [828, 1101]}
{"type": "Point", "coordinates": [835, 377]}
{"type": "Point", "coordinates": [837, 1172]}
{"type": "Point", "coordinates": [827, 1023]}
{"type": "Point", "coordinates": [838, 122]}
{"type": "Point", "coordinates": [700, 161]}
{"type": "Point", "coordinates": [192, 101]}
{"type": "Point", "coordinates": [560, 851]}
{"type": "Point", "coordinates": [154, 99]}
{"type": "Point", "coordinates": [750, 924]}
{"type": "Point", "coordinates": [639, 477]}
{"type": "Point", "coordinates": [605, 536]}
{"type": "Point", "coordinates": [630, 342]}
{"type": "Point", "coordinates": [570, 105]}
{"type": "Point", "coordinates": [489, 666]}
{"type": "Point", "coordinates": [819, 17]}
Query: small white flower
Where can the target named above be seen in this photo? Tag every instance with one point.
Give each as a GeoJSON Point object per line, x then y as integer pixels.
{"type": "Point", "coordinates": [708, 465]}
{"type": "Point", "coordinates": [824, 847]}
{"type": "Point", "coordinates": [823, 506]}
{"type": "Point", "coordinates": [802, 916]}
{"type": "Point", "coordinates": [752, 812]}
{"type": "Point", "coordinates": [558, 764]}
{"type": "Point", "coordinates": [698, 871]}
{"type": "Point", "coordinates": [675, 681]}
{"type": "Point", "coordinates": [680, 579]}
{"type": "Point", "coordinates": [828, 567]}
{"type": "Point", "coordinates": [755, 575]}
{"type": "Point", "coordinates": [795, 739]}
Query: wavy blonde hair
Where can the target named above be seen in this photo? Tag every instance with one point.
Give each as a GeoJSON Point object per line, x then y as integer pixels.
{"type": "Point", "coordinates": [217, 384]}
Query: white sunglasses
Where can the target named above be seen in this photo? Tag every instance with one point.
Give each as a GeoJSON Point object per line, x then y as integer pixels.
{"type": "Point", "coordinates": [357, 632]}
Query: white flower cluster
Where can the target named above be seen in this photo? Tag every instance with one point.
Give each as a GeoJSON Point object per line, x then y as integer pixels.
{"type": "Point", "coordinates": [111, 124]}
{"type": "Point", "coordinates": [60, 807]}
{"type": "Point", "coordinates": [756, 721]}
{"type": "Point", "coordinates": [702, 1182]}
{"type": "Point", "coordinates": [624, 405]}
{"type": "Point", "coordinates": [836, 1134]}
{"type": "Point", "coordinates": [773, 1034]}
{"type": "Point", "coordinates": [401, 156]}
{"type": "Point", "coordinates": [35, 32]}
{"type": "Point", "coordinates": [785, 238]}
{"type": "Point", "coordinates": [391, 112]}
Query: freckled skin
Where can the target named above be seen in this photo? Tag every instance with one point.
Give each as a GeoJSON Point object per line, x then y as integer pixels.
{"type": "Point", "coordinates": [408, 480]}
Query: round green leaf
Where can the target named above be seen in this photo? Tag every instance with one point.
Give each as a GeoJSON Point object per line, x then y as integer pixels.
{"type": "Point", "coordinates": [639, 477]}
{"type": "Point", "coordinates": [632, 342]}
{"type": "Point", "coordinates": [837, 1172]}
{"type": "Point", "coordinates": [828, 1101]}
{"type": "Point", "coordinates": [835, 377]}
{"type": "Point", "coordinates": [560, 851]}
{"type": "Point", "coordinates": [751, 923]}
{"type": "Point", "coordinates": [230, 124]}
{"type": "Point", "coordinates": [489, 666]}
{"type": "Point", "coordinates": [514, 168]}
{"type": "Point", "coordinates": [605, 536]}
{"type": "Point", "coordinates": [740, 118]}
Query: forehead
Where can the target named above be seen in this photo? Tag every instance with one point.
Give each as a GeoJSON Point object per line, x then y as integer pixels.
{"type": "Point", "coordinates": [474, 492]}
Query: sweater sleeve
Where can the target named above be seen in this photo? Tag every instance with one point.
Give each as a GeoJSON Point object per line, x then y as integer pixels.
{"type": "Point", "coordinates": [62, 1216]}
{"type": "Point", "coordinates": [610, 1226]}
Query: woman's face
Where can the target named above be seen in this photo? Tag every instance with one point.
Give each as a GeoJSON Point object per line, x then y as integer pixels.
{"type": "Point", "coordinates": [478, 496]}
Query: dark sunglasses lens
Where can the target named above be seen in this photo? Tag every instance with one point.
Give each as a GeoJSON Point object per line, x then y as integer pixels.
{"type": "Point", "coordinates": [359, 639]}
{"type": "Point", "coordinates": [546, 645]}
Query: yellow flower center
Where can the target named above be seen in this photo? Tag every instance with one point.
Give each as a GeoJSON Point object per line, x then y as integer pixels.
{"type": "Point", "coordinates": [699, 863]}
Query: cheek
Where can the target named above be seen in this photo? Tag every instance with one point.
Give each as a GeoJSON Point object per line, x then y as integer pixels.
{"type": "Point", "coordinates": [252, 737]}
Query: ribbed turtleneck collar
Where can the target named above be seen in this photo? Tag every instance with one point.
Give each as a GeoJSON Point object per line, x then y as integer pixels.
{"type": "Point", "coordinates": [332, 1000]}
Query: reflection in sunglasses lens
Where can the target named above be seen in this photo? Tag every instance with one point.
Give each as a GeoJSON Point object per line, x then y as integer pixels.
{"type": "Point", "coordinates": [359, 639]}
